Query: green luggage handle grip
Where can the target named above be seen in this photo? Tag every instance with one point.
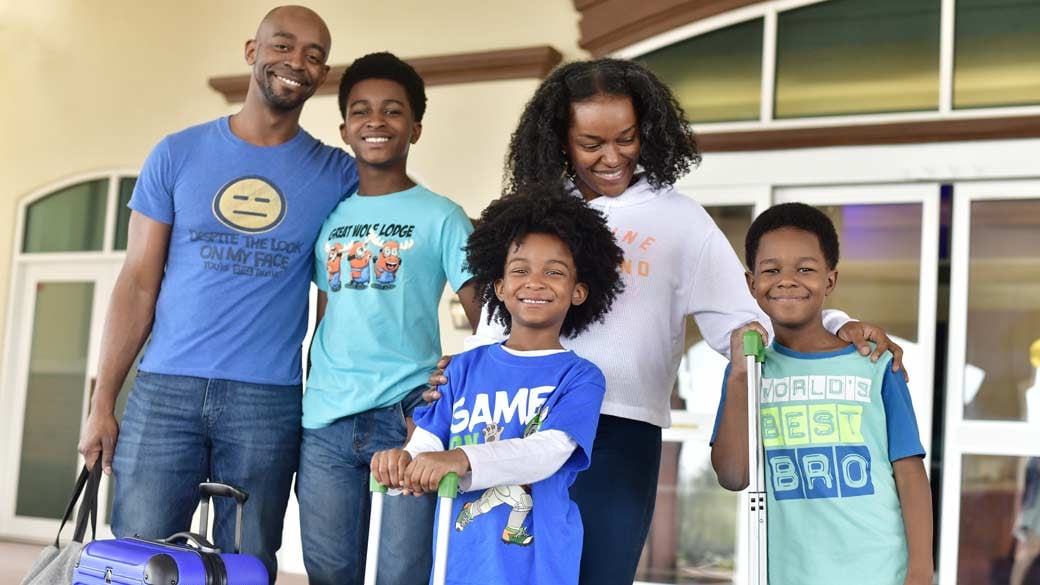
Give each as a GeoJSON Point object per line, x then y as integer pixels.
{"type": "Point", "coordinates": [447, 488]}
{"type": "Point", "coordinates": [753, 346]}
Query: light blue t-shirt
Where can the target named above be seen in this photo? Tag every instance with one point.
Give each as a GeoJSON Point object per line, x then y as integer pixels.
{"type": "Point", "coordinates": [383, 261]}
{"type": "Point", "coordinates": [243, 219]}
{"type": "Point", "coordinates": [528, 534]}
{"type": "Point", "coordinates": [832, 423]}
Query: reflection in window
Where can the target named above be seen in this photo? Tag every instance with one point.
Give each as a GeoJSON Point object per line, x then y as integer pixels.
{"type": "Point", "coordinates": [716, 76]}
{"type": "Point", "coordinates": [996, 61]}
{"type": "Point", "coordinates": [1000, 516]}
{"type": "Point", "coordinates": [856, 57]}
{"type": "Point", "coordinates": [1003, 307]}
{"type": "Point", "coordinates": [126, 189]}
{"type": "Point", "coordinates": [70, 220]}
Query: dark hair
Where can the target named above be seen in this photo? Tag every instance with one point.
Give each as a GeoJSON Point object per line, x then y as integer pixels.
{"type": "Point", "coordinates": [384, 66]}
{"type": "Point", "coordinates": [538, 147]}
{"type": "Point", "coordinates": [793, 215]}
{"type": "Point", "coordinates": [584, 230]}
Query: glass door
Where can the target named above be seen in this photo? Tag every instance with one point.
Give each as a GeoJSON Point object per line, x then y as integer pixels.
{"type": "Point", "coordinates": [888, 270]}
{"type": "Point", "coordinates": [990, 529]}
{"type": "Point", "coordinates": [696, 533]}
{"type": "Point", "coordinates": [58, 313]}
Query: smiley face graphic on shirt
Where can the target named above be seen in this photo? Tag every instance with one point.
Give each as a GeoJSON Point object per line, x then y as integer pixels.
{"type": "Point", "coordinates": [250, 205]}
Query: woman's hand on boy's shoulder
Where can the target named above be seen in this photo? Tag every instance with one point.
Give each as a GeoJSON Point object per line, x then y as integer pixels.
{"type": "Point", "coordinates": [859, 333]}
{"type": "Point", "coordinates": [437, 379]}
{"type": "Point", "coordinates": [390, 467]}
{"type": "Point", "coordinates": [736, 344]}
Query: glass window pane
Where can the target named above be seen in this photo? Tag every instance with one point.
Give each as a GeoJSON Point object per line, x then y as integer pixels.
{"type": "Point", "coordinates": [1000, 516]}
{"type": "Point", "coordinates": [856, 57]}
{"type": "Point", "coordinates": [996, 61]}
{"type": "Point", "coordinates": [70, 220]}
{"type": "Point", "coordinates": [880, 266]}
{"type": "Point", "coordinates": [1003, 310]}
{"type": "Point", "coordinates": [126, 189]}
{"type": "Point", "coordinates": [57, 375]}
{"type": "Point", "coordinates": [693, 537]}
{"type": "Point", "coordinates": [716, 76]}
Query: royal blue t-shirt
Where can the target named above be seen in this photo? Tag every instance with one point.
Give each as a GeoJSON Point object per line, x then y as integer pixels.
{"type": "Point", "coordinates": [493, 395]}
{"type": "Point", "coordinates": [233, 300]}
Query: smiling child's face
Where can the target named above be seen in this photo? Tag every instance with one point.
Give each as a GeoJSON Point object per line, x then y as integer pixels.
{"type": "Point", "coordinates": [790, 278]}
{"type": "Point", "coordinates": [540, 283]}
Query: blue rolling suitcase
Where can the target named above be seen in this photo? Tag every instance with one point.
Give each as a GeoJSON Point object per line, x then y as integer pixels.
{"type": "Point", "coordinates": [136, 561]}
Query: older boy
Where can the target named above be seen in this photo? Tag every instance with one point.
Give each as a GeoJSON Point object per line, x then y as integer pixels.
{"type": "Point", "coordinates": [396, 244]}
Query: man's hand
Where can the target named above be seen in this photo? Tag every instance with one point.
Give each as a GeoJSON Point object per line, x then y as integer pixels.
{"type": "Point", "coordinates": [736, 344]}
{"type": "Point", "coordinates": [98, 439]}
{"type": "Point", "coordinates": [427, 469]}
{"type": "Point", "coordinates": [437, 379]}
{"type": "Point", "coordinates": [858, 333]}
{"type": "Point", "coordinates": [389, 467]}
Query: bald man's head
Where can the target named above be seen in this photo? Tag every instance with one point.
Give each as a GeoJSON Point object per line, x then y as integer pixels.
{"type": "Point", "coordinates": [301, 14]}
{"type": "Point", "coordinates": [289, 56]}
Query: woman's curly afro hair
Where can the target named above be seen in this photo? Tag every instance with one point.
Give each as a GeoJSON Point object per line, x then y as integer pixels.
{"type": "Point", "coordinates": [538, 148]}
{"type": "Point", "coordinates": [509, 220]}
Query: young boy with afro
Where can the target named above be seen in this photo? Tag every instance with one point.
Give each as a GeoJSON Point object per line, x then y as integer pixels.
{"type": "Point", "coordinates": [518, 418]}
{"type": "Point", "coordinates": [848, 498]}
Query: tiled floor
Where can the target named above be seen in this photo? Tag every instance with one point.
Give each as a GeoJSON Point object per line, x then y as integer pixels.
{"type": "Point", "coordinates": [15, 560]}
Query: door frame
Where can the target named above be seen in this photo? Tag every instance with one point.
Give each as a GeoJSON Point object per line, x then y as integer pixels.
{"type": "Point", "coordinates": [971, 437]}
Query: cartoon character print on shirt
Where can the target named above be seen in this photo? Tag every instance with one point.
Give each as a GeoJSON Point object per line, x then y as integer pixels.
{"type": "Point", "coordinates": [812, 435]}
{"type": "Point", "coordinates": [333, 262]}
{"type": "Point", "coordinates": [518, 497]}
{"type": "Point", "coordinates": [388, 262]}
{"type": "Point", "coordinates": [358, 256]}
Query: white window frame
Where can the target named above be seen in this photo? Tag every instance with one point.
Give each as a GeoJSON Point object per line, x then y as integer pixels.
{"type": "Point", "coordinates": [971, 437]}
{"type": "Point", "coordinates": [769, 11]}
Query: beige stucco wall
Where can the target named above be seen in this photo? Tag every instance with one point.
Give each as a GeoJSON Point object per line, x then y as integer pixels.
{"type": "Point", "coordinates": [93, 85]}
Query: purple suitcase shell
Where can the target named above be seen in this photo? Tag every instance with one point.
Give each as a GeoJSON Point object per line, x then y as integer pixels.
{"type": "Point", "coordinates": [136, 561]}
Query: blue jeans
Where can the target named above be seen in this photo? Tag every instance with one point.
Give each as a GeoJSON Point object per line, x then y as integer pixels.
{"type": "Point", "coordinates": [615, 497]}
{"type": "Point", "coordinates": [332, 488]}
{"type": "Point", "coordinates": [179, 431]}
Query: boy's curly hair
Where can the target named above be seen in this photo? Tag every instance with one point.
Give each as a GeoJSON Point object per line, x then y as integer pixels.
{"type": "Point", "coordinates": [547, 211]}
{"type": "Point", "coordinates": [538, 148]}
{"type": "Point", "coordinates": [384, 66]}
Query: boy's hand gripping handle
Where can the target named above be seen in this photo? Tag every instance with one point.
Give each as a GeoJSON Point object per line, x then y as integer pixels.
{"type": "Point", "coordinates": [755, 353]}
{"type": "Point", "coordinates": [447, 489]}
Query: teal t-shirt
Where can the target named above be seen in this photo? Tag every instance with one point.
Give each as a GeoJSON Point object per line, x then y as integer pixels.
{"type": "Point", "coordinates": [383, 261]}
{"type": "Point", "coordinates": [832, 423]}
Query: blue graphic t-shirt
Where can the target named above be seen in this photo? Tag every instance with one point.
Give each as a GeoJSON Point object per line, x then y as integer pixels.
{"type": "Point", "coordinates": [233, 300]}
{"type": "Point", "coordinates": [522, 533]}
{"type": "Point", "coordinates": [832, 423]}
{"type": "Point", "coordinates": [383, 261]}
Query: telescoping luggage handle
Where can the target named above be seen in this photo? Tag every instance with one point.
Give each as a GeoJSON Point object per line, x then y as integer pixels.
{"type": "Point", "coordinates": [755, 354]}
{"type": "Point", "coordinates": [206, 491]}
{"type": "Point", "coordinates": [447, 489]}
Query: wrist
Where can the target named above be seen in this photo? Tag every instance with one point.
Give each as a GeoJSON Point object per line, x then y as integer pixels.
{"type": "Point", "coordinates": [461, 460]}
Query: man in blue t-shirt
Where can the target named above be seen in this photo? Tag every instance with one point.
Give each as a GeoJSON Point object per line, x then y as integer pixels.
{"type": "Point", "coordinates": [217, 273]}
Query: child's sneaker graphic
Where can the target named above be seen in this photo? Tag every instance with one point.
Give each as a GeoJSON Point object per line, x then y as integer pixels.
{"type": "Point", "coordinates": [464, 517]}
{"type": "Point", "coordinates": [516, 536]}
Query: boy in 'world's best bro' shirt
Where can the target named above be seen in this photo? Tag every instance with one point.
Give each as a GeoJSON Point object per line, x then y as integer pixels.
{"type": "Point", "coordinates": [517, 419]}
{"type": "Point", "coordinates": [848, 499]}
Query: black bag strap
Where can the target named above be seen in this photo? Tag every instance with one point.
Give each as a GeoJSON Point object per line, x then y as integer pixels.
{"type": "Point", "coordinates": [87, 485]}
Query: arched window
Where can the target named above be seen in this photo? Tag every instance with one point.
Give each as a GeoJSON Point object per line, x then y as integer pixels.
{"type": "Point", "coordinates": [74, 216]}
